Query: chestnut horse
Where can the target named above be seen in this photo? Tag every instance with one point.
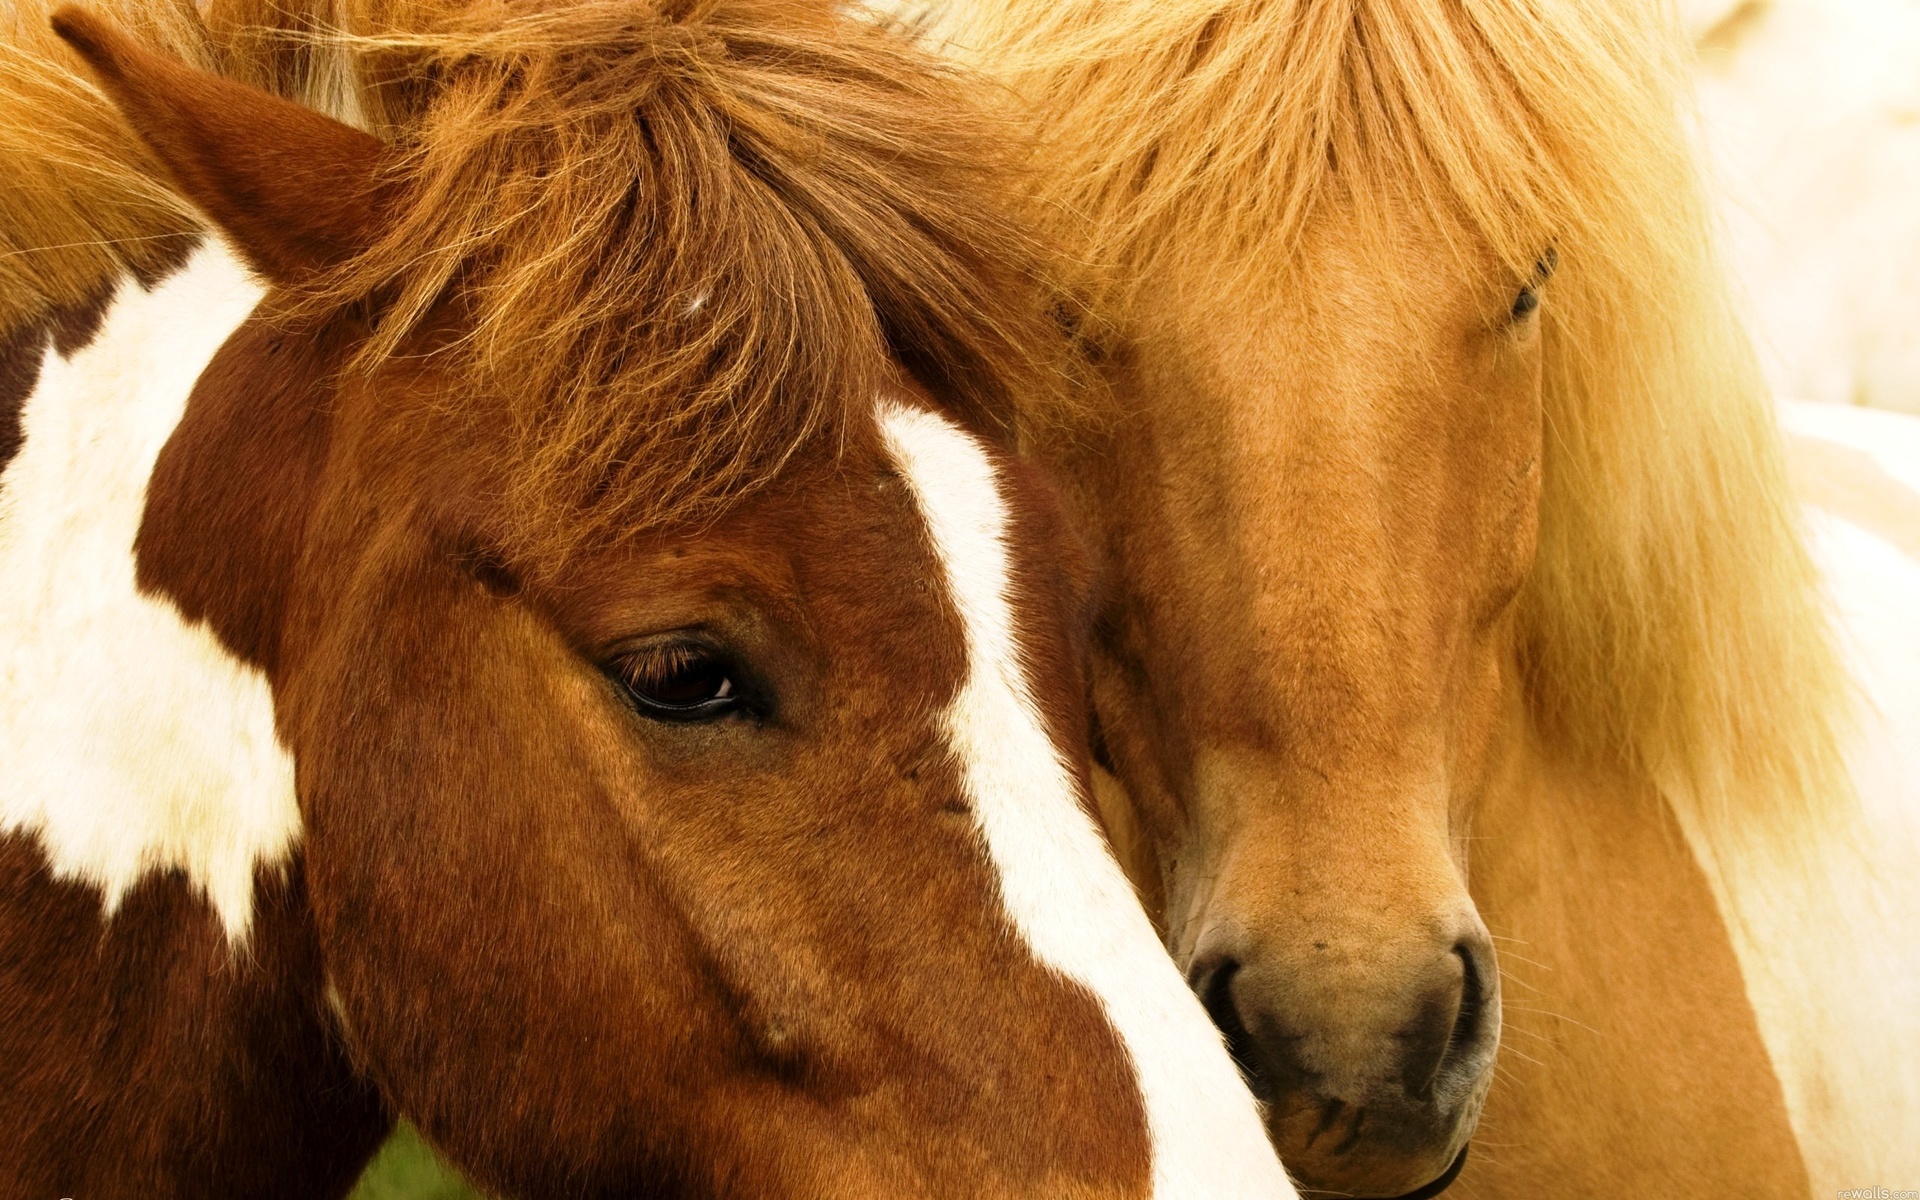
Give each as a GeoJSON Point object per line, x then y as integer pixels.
{"type": "Point", "coordinates": [1460, 601]}
{"type": "Point", "coordinates": [534, 628]}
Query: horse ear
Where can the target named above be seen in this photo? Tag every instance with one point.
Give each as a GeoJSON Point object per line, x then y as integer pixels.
{"type": "Point", "coordinates": [295, 190]}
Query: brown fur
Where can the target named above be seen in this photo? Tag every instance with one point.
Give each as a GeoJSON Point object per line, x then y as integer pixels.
{"type": "Point", "coordinates": [1610, 938]}
{"type": "Point", "coordinates": [1187, 148]}
{"type": "Point", "coordinates": [182, 112]}
{"type": "Point", "coordinates": [589, 952]}
{"type": "Point", "coordinates": [717, 896]}
{"type": "Point", "coordinates": [231, 492]}
{"type": "Point", "coordinates": [149, 1063]}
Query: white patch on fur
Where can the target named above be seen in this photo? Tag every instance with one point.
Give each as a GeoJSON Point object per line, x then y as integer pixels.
{"type": "Point", "coordinates": [1063, 890]}
{"type": "Point", "coordinates": [130, 740]}
{"type": "Point", "coordinates": [1832, 962]}
{"type": "Point", "coordinates": [1829, 944]}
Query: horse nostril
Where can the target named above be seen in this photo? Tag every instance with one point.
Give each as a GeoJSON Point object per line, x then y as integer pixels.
{"type": "Point", "coordinates": [1470, 1020]}
{"type": "Point", "coordinates": [1451, 1027]}
{"type": "Point", "coordinates": [1427, 1042]}
{"type": "Point", "coordinates": [1214, 983]}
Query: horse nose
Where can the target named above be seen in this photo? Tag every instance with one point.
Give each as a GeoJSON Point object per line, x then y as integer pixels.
{"type": "Point", "coordinates": [1373, 1078]}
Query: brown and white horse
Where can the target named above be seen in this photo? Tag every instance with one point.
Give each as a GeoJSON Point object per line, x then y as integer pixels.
{"type": "Point", "coordinates": [534, 628]}
{"type": "Point", "coordinates": [1460, 599]}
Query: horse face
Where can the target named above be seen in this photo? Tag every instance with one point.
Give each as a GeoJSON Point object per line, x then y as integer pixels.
{"type": "Point", "coordinates": [674, 842]}
{"type": "Point", "coordinates": [740, 858]}
{"type": "Point", "coordinates": [1318, 526]}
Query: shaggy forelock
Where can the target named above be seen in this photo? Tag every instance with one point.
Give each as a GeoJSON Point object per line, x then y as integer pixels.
{"type": "Point", "coordinates": [685, 241]}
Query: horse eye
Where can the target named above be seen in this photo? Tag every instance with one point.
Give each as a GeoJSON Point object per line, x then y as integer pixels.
{"type": "Point", "coordinates": [1529, 298]}
{"type": "Point", "coordinates": [678, 682]}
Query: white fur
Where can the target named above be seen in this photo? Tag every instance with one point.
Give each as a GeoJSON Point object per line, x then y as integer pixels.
{"type": "Point", "coordinates": [131, 741]}
{"type": "Point", "coordinates": [1831, 955]}
{"type": "Point", "coordinates": [1062, 889]}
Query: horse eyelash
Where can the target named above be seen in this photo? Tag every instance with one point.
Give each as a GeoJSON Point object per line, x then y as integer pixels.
{"type": "Point", "coordinates": [655, 665]}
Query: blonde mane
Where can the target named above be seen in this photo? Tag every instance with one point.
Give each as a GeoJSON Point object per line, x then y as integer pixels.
{"type": "Point", "coordinates": [1673, 623]}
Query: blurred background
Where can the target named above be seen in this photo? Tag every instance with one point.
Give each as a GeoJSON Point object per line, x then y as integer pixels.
{"type": "Point", "coordinates": [407, 1170]}
{"type": "Point", "coordinates": [1810, 113]}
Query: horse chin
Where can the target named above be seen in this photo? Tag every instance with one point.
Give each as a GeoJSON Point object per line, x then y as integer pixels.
{"type": "Point", "coordinates": [1398, 1158]}
{"type": "Point", "coordinates": [1444, 1182]}
{"type": "Point", "coordinates": [1383, 1180]}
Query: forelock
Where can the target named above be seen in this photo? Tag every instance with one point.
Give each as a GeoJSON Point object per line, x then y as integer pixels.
{"type": "Point", "coordinates": [680, 243]}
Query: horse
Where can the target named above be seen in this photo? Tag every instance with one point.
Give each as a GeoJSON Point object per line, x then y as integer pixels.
{"type": "Point", "coordinates": [1460, 599]}
{"type": "Point", "coordinates": [537, 628]}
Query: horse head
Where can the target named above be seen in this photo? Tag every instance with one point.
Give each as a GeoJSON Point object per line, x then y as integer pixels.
{"type": "Point", "coordinates": [1442, 517]}
{"type": "Point", "coordinates": [679, 674]}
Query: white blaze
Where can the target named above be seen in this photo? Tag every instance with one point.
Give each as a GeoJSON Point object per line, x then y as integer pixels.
{"type": "Point", "coordinates": [130, 740]}
{"type": "Point", "coordinates": [1062, 889]}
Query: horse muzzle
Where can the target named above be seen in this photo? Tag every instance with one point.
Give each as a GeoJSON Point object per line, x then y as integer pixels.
{"type": "Point", "coordinates": [1372, 1089]}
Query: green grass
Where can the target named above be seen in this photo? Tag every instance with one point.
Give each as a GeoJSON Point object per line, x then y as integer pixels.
{"type": "Point", "coordinates": [405, 1169]}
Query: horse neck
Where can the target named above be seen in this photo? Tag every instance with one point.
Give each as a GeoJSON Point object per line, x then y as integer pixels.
{"type": "Point", "coordinates": [149, 895]}
{"type": "Point", "coordinates": [1609, 936]}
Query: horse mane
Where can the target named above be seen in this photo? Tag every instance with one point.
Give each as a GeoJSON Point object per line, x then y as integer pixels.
{"type": "Point", "coordinates": [81, 202]}
{"type": "Point", "coordinates": [685, 239]}
{"type": "Point", "coordinates": [688, 239]}
{"type": "Point", "coordinates": [1673, 622]}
